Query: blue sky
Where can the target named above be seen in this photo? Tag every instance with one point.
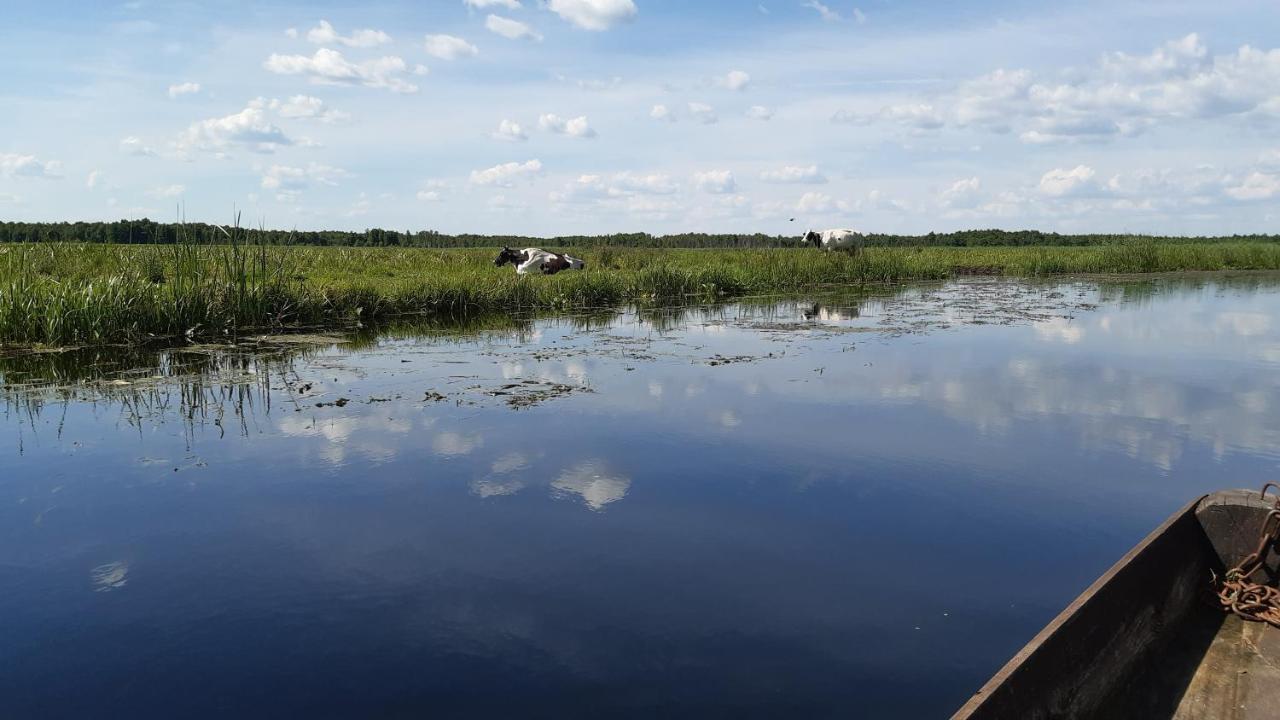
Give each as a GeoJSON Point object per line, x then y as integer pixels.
{"type": "Point", "coordinates": [590, 116]}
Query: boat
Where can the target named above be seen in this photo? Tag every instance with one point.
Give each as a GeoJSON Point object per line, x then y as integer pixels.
{"type": "Point", "coordinates": [1150, 638]}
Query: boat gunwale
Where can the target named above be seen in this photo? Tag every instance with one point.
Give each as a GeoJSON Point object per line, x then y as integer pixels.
{"type": "Point", "coordinates": [1049, 631]}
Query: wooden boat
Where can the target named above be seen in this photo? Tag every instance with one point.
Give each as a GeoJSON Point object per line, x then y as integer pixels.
{"type": "Point", "coordinates": [1145, 642]}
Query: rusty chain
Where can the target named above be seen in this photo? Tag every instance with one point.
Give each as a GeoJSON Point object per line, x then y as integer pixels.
{"type": "Point", "coordinates": [1236, 592]}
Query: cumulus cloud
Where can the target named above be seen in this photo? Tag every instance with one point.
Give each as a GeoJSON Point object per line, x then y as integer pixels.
{"type": "Point", "coordinates": [93, 179]}
{"type": "Point", "coordinates": [576, 127]}
{"type": "Point", "coordinates": [593, 14]}
{"type": "Point", "coordinates": [290, 179]}
{"type": "Point", "coordinates": [510, 29]}
{"type": "Point", "coordinates": [715, 181]}
{"type": "Point", "coordinates": [703, 113]}
{"type": "Point", "coordinates": [432, 191]}
{"type": "Point", "coordinates": [794, 174]}
{"type": "Point", "coordinates": [167, 191]}
{"type": "Point", "coordinates": [510, 131]}
{"type": "Point", "coordinates": [823, 11]}
{"type": "Point", "coordinates": [963, 194]}
{"type": "Point", "coordinates": [14, 165]}
{"type": "Point", "coordinates": [759, 112]}
{"type": "Point", "coordinates": [329, 67]}
{"type": "Point", "coordinates": [506, 174]}
{"type": "Point", "coordinates": [1256, 186]}
{"type": "Point", "coordinates": [186, 88]}
{"type": "Point", "coordinates": [662, 112]}
{"type": "Point", "coordinates": [1120, 95]}
{"type": "Point", "coordinates": [324, 34]}
{"type": "Point", "coordinates": [248, 129]}
{"type": "Point", "coordinates": [622, 189]}
{"type": "Point", "coordinates": [308, 107]}
{"type": "Point", "coordinates": [819, 203]}
{"type": "Point", "coordinates": [482, 4]}
{"type": "Point", "coordinates": [1060, 182]}
{"type": "Point", "coordinates": [134, 146]}
{"type": "Point", "coordinates": [736, 80]}
{"type": "Point", "coordinates": [449, 47]}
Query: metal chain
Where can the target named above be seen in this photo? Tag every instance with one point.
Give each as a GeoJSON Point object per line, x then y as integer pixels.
{"type": "Point", "coordinates": [1235, 592]}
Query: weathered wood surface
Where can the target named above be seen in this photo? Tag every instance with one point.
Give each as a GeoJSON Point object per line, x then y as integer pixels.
{"type": "Point", "coordinates": [1142, 642]}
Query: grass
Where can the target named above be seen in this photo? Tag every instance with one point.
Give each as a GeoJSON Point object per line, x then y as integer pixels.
{"type": "Point", "coordinates": [85, 294]}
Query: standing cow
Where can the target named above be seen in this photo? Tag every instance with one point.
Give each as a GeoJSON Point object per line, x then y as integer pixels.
{"type": "Point", "coordinates": [836, 239]}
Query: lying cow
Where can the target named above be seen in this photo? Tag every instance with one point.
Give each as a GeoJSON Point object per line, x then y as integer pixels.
{"type": "Point", "coordinates": [837, 239]}
{"type": "Point", "coordinates": [537, 259]}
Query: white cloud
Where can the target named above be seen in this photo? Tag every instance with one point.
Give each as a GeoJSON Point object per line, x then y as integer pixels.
{"type": "Point", "coordinates": [759, 112]}
{"type": "Point", "coordinates": [186, 88]}
{"type": "Point", "coordinates": [134, 146]}
{"type": "Point", "coordinates": [736, 80]}
{"type": "Point", "coordinates": [449, 47]}
{"type": "Point", "coordinates": [286, 178]}
{"type": "Point", "coordinates": [859, 16]}
{"type": "Point", "coordinates": [248, 128]}
{"type": "Point", "coordinates": [506, 174]}
{"type": "Point", "coordinates": [662, 112]}
{"type": "Point", "coordinates": [593, 483]}
{"type": "Point", "coordinates": [795, 174]}
{"type": "Point", "coordinates": [93, 179]}
{"type": "Point", "coordinates": [622, 188]}
{"type": "Point", "coordinates": [510, 29]}
{"type": "Point", "coordinates": [306, 106]}
{"type": "Point", "coordinates": [432, 191]}
{"type": "Point", "coordinates": [593, 14]}
{"type": "Point", "coordinates": [1121, 95]}
{"type": "Point", "coordinates": [14, 165]}
{"type": "Point", "coordinates": [703, 113]}
{"type": "Point", "coordinates": [329, 67]}
{"type": "Point", "coordinates": [818, 203]}
{"type": "Point", "coordinates": [963, 194]}
{"type": "Point", "coordinates": [324, 34]}
{"type": "Point", "coordinates": [482, 4]}
{"type": "Point", "coordinates": [167, 191]}
{"type": "Point", "coordinates": [510, 131]}
{"type": "Point", "coordinates": [1257, 186]}
{"type": "Point", "coordinates": [1062, 183]}
{"type": "Point", "coordinates": [576, 127]}
{"type": "Point", "coordinates": [825, 12]}
{"type": "Point", "coordinates": [715, 181]}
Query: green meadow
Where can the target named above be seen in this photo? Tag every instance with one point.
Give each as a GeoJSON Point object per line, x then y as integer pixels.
{"type": "Point", "coordinates": [57, 294]}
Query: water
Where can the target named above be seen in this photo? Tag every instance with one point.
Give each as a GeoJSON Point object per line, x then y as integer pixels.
{"type": "Point", "coordinates": [836, 507]}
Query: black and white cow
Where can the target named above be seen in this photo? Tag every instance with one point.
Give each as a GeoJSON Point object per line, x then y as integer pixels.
{"type": "Point", "coordinates": [537, 259]}
{"type": "Point", "coordinates": [835, 239]}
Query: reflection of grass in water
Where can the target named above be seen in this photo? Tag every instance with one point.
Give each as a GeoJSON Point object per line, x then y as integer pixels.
{"type": "Point", "coordinates": [82, 294]}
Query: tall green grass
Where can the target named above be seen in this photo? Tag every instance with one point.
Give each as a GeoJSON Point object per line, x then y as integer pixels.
{"type": "Point", "coordinates": [72, 294]}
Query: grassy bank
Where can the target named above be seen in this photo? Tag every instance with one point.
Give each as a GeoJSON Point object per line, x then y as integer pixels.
{"type": "Point", "coordinates": [60, 294]}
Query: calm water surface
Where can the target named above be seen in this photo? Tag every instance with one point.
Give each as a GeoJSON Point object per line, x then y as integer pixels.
{"type": "Point", "coordinates": [835, 507]}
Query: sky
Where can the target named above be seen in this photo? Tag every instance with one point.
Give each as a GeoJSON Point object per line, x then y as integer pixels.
{"type": "Point", "coordinates": [556, 117]}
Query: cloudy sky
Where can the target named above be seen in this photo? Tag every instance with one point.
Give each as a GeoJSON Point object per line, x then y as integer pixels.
{"type": "Point", "coordinates": [591, 116]}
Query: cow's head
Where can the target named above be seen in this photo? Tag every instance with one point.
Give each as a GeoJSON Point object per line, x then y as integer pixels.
{"type": "Point", "coordinates": [813, 238]}
{"type": "Point", "coordinates": [509, 256]}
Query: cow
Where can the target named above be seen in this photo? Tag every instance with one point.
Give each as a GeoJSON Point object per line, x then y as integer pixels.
{"type": "Point", "coordinates": [537, 259]}
{"type": "Point", "coordinates": [835, 239]}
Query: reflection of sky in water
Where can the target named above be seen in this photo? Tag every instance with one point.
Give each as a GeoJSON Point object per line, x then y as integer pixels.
{"type": "Point", "coordinates": [651, 533]}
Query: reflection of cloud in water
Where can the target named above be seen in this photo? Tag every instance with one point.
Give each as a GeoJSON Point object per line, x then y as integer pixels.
{"type": "Point", "coordinates": [111, 576]}
{"type": "Point", "coordinates": [453, 444]}
{"type": "Point", "coordinates": [1060, 330]}
{"type": "Point", "coordinates": [730, 419]}
{"type": "Point", "coordinates": [1242, 324]}
{"type": "Point", "coordinates": [592, 482]}
{"type": "Point", "coordinates": [496, 487]}
{"type": "Point", "coordinates": [655, 388]}
{"type": "Point", "coordinates": [510, 463]}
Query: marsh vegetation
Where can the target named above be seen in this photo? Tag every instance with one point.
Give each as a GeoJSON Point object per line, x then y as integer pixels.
{"type": "Point", "coordinates": [54, 293]}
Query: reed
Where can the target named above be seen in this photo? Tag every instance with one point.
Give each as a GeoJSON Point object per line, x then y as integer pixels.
{"type": "Point", "coordinates": [84, 294]}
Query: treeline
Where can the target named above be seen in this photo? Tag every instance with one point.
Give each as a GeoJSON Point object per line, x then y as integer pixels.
{"type": "Point", "coordinates": [146, 231]}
